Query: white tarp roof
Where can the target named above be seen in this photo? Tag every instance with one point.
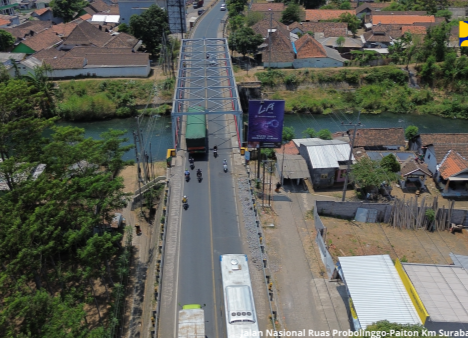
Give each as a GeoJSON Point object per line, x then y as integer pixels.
{"type": "Point", "coordinates": [377, 290]}
{"type": "Point", "coordinates": [325, 153]}
{"type": "Point", "coordinates": [106, 18]}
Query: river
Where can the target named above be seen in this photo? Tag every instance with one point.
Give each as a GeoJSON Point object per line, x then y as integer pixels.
{"type": "Point", "coordinates": [161, 135]}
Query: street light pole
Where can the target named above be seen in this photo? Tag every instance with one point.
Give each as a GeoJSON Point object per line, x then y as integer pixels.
{"type": "Point", "coordinates": [350, 155]}
{"type": "Point", "coordinates": [269, 37]}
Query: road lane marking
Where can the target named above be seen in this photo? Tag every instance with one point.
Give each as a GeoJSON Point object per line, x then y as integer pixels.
{"type": "Point", "coordinates": [212, 250]}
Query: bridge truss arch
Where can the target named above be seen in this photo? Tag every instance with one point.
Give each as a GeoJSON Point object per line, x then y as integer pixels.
{"type": "Point", "coordinates": [205, 83]}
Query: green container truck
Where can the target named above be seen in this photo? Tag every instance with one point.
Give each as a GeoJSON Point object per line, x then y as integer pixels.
{"type": "Point", "coordinates": [195, 133]}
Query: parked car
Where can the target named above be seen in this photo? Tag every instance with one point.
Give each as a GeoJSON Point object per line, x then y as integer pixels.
{"type": "Point", "coordinates": [223, 7]}
{"type": "Point", "coordinates": [200, 11]}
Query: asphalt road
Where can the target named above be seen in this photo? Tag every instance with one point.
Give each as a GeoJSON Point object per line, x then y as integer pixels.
{"type": "Point", "coordinates": [210, 226]}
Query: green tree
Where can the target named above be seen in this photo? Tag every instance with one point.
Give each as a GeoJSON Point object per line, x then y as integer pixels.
{"type": "Point", "coordinates": [309, 132]}
{"type": "Point", "coordinates": [369, 174]}
{"type": "Point", "coordinates": [236, 7]}
{"type": "Point", "coordinates": [149, 27]}
{"type": "Point", "coordinates": [311, 4]}
{"type": "Point", "coordinates": [236, 22]}
{"type": "Point", "coordinates": [292, 13]}
{"type": "Point", "coordinates": [43, 88]}
{"type": "Point", "coordinates": [390, 163]}
{"type": "Point", "coordinates": [352, 20]}
{"type": "Point", "coordinates": [444, 13]}
{"type": "Point", "coordinates": [340, 41]}
{"type": "Point", "coordinates": [435, 42]}
{"type": "Point", "coordinates": [288, 134]}
{"type": "Point", "coordinates": [245, 41]}
{"type": "Point", "coordinates": [325, 134]}
{"type": "Point", "coordinates": [345, 5]}
{"type": "Point", "coordinates": [429, 70]}
{"type": "Point", "coordinates": [124, 28]}
{"type": "Point", "coordinates": [67, 9]}
{"type": "Point", "coordinates": [411, 132]}
{"type": "Point", "coordinates": [113, 151]}
{"type": "Point", "coordinates": [6, 40]}
{"type": "Point", "coordinates": [253, 17]}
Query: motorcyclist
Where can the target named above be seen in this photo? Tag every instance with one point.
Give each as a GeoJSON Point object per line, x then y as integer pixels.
{"type": "Point", "coordinates": [215, 149]}
{"type": "Point", "coordinates": [191, 160]}
{"type": "Point", "coordinates": [187, 173]}
{"type": "Point", "coordinates": [224, 162]}
{"type": "Point", "coordinates": [184, 200]}
{"type": "Point", "coordinates": [199, 173]}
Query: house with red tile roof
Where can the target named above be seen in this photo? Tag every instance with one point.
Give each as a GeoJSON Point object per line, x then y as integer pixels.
{"type": "Point", "coordinates": [379, 138]}
{"type": "Point", "coordinates": [320, 29]}
{"type": "Point", "coordinates": [316, 15]}
{"type": "Point", "coordinates": [263, 26]}
{"type": "Point", "coordinates": [311, 53]}
{"type": "Point", "coordinates": [282, 53]}
{"type": "Point", "coordinates": [436, 146]}
{"type": "Point", "coordinates": [4, 23]}
{"type": "Point", "coordinates": [414, 173]}
{"type": "Point", "coordinates": [398, 19]}
{"type": "Point", "coordinates": [453, 174]}
{"type": "Point", "coordinates": [414, 30]}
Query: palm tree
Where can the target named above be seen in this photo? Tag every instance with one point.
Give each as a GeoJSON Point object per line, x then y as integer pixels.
{"type": "Point", "coordinates": [44, 89]}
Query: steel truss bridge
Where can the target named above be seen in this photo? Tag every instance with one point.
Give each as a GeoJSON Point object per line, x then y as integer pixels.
{"type": "Point", "coordinates": [205, 84]}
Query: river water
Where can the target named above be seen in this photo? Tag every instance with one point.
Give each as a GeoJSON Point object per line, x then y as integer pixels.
{"type": "Point", "coordinates": [161, 135]}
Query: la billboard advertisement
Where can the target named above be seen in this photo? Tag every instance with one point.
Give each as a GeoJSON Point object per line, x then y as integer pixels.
{"type": "Point", "coordinates": [265, 123]}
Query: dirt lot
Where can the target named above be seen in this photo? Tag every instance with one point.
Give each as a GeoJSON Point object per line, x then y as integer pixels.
{"type": "Point", "coordinates": [348, 238]}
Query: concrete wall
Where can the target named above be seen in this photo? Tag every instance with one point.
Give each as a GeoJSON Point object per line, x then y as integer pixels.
{"type": "Point", "coordinates": [348, 209]}
{"type": "Point", "coordinates": [103, 72]}
{"type": "Point", "coordinates": [458, 12]}
{"type": "Point", "coordinates": [317, 63]}
{"type": "Point", "coordinates": [278, 64]}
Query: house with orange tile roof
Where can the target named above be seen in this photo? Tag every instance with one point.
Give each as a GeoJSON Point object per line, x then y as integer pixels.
{"type": "Point", "coordinates": [316, 15]}
{"type": "Point", "coordinates": [398, 19]}
{"type": "Point", "coordinates": [452, 174]}
{"type": "Point", "coordinates": [311, 53]}
{"type": "Point", "coordinates": [436, 146]}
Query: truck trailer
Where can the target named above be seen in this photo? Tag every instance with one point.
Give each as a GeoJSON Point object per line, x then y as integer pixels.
{"type": "Point", "coordinates": [191, 322]}
{"type": "Point", "coordinates": [195, 134]}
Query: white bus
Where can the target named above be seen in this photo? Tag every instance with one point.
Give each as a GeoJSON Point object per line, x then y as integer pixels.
{"type": "Point", "coordinates": [241, 318]}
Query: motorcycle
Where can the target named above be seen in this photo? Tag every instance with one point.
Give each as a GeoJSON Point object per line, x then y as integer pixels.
{"type": "Point", "coordinates": [225, 167]}
{"type": "Point", "coordinates": [192, 166]}
{"type": "Point", "coordinates": [185, 206]}
{"type": "Point", "coordinates": [199, 176]}
{"type": "Point", "coordinates": [215, 153]}
{"type": "Point", "coordinates": [187, 177]}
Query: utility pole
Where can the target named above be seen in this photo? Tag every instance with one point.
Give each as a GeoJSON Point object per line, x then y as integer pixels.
{"type": "Point", "coordinates": [270, 47]}
{"type": "Point", "coordinates": [138, 170]}
{"type": "Point", "coordinates": [348, 170]}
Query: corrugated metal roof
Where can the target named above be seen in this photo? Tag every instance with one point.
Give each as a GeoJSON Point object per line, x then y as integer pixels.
{"type": "Point", "coordinates": [327, 156]}
{"type": "Point", "coordinates": [377, 290]}
{"type": "Point", "coordinates": [294, 166]}
{"type": "Point", "coordinates": [315, 141]}
{"type": "Point", "coordinates": [442, 289]}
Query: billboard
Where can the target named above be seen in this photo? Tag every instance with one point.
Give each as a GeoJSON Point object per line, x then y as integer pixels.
{"type": "Point", "coordinates": [266, 121]}
{"type": "Point", "coordinates": [463, 33]}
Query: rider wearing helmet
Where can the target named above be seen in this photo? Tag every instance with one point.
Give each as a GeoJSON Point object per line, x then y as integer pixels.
{"type": "Point", "coordinates": [184, 200]}
{"type": "Point", "coordinates": [224, 161]}
{"type": "Point", "coordinates": [199, 173]}
{"type": "Point", "coordinates": [187, 173]}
